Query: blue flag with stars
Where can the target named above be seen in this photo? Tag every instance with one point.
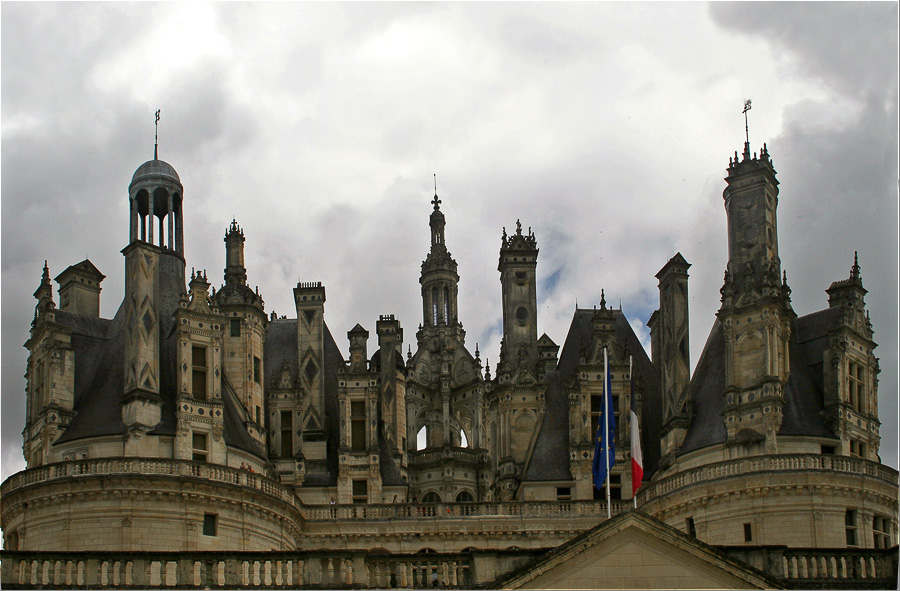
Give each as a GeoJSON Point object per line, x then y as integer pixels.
{"type": "Point", "coordinates": [605, 449]}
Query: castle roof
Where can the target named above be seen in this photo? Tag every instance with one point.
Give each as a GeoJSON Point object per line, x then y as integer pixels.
{"type": "Point", "coordinates": [804, 392]}
{"type": "Point", "coordinates": [550, 459]}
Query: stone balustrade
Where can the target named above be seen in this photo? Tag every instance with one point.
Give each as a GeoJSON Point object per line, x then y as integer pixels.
{"type": "Point", "coordinates": [415, 511]}
{"type": "Point", "coordinates": [458, 455]}
{"type": "Point", "coordinates": [838, 564]}
{"type": "Point", "coordinates": [768, 463]}
{"type": "Point", "coordinates": [149, 466]}
{"type": "Point", "coordinates": [233, 570]}
{"type": "Point", "coordinates": [844, 568]}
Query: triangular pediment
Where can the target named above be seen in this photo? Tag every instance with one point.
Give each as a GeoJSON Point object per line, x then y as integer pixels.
{"type": "Point", "coordinates": [636, 551]}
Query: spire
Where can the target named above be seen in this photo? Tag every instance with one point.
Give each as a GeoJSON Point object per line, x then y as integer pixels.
{"type": "Point", "coordinates": [437, 223]}
{"type": "Point", "coordinates": [44, 292]}
{"type": "Point", "coordinates": [854, 270]}
{"type": "Point", "coordinates": [602, 300]}
{"type": "Point", "coordinates": [747, 129]}
{"type": "Point", "coordinates": [156, 138]}
{"type": "Point", "coordinates": [235, 272]}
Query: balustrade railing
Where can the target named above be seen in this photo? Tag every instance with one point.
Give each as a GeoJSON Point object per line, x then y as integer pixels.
{"type": "Point", "coordinates": [210, 570]}
{"type": "Point", "coordinates": [414, 511]}
{"type": "Point", "coordinates": [456, 454]}
{"type": "Point", "coordinates": [837, 564]}
{"type": "Point", "coordinates": [769, 463]}
{"type": "Point", "coordinates": [153, 466]}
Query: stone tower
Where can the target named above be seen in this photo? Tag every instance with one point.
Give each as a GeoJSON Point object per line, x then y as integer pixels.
{"type": "Point", "coordinates": [669, 337]}
{"type": "Point", "coordinates": [244, 334]}
{"type": "Point", "coordinates": [756, 310]}
{"type": "Point", "coordinates": [151, 257]}
{"type": "Point", "coordinates": [51, 377]}
{"type": "Point", "coordinates": [851, 370]}
{"type": "Point", "coordinates": [518, 261]}
{"type": "Point", "coordinates": [309, 298]}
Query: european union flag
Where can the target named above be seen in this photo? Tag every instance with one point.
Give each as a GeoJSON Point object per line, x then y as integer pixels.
{"type": "Point", "coordinates": [605, 449]}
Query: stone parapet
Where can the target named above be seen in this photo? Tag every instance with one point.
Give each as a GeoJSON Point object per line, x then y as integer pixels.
{"type": "Point", "coordinates": [234, 570]}
{"type": "Point", "coordinates": [148, 466]}
{"type": "Point", "coordinates": [767, 463]}
{"type": "Point", "coordinates": [806, 568]}
{"type": "Point", "coordinates": [451, 511]}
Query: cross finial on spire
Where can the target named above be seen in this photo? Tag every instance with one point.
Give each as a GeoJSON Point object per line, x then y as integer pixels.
{"type": "Point", "coordinates": [747, 130]}
{"type": "Point", "coordinates": [156, 138]}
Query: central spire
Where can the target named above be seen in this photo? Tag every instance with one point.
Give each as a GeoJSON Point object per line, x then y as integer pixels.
{"type": "Point", "coordinates": [437, 223]}
{"type": "Point", "coordinates": [439, 279]}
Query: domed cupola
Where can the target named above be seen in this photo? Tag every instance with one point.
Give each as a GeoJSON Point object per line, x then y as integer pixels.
{"type": "Point", "coordinates": [155, 198]}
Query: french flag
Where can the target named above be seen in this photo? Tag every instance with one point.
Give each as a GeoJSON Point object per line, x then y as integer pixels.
{"type": "Point", "coordinates": [637, 459]}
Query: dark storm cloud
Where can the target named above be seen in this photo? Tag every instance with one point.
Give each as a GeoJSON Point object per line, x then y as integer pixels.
{"type": "Point", "coordinates": [845, 43]}
{"type": "Point", "coordinates": [838, 172]}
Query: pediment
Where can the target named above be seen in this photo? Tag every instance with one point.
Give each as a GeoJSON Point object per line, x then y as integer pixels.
{"type": "Point", "coordinates": [636, 551]}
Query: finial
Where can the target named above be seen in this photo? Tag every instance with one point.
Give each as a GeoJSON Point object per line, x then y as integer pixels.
{"type": "Point", "coordinates": [746, 123]}
{"type": "Point", "coordinates": [854, 271]}
{"type": "Point", "coordinates": [518, 228]}
{"type": "Point", "coordinates": [45, 276]}
{"type": "Point", "coordinates": [409, 352]}
{"type": "Point", "coordinates": [477, 352]}
{"type": "Point", "coordinates": [602, 300]}
{"type": "Point", "coordinates": [784, 277]}
{"type": "Point", "coordinates": [156, 138]}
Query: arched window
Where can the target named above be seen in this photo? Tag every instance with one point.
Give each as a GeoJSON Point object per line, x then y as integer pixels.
{"type": "Point", "coordinates": [446, 305]}
{"type": "Point", "coordinates": [465, 497]}
{"type": "Point", "coordinates": [422, 438]}
{"type": "Point", "coordinates": [431, 497]}
{"type": "Point", "coordinates": [434, 306]}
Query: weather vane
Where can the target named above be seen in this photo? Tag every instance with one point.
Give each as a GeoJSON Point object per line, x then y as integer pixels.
{"type": "Point", "coordinates": [746, 124]}
{"type": "Point", "coordinates": [156, 138]}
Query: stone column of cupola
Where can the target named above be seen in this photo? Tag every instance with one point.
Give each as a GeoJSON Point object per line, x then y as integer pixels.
{"type": "Point", "coordinates": [756, 311]}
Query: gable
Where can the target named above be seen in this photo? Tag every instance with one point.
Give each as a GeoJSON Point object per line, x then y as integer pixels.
{"type": "Point", "coordinates": [635, 559]}
{"type": "Point", "coordinates": [636, 551]}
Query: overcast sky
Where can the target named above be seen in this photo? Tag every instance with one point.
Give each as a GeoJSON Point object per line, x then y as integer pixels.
{"type": "Point", "coordinates": [606, 128]}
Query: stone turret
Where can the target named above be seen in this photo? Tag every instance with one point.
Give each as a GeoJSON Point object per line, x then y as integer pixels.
{"type": "Point", "coordinates": [518, 261]}
{"type": "Point", "coordinates": [669, 336]}
{"type": "Point", "coordinates": [756, 310]}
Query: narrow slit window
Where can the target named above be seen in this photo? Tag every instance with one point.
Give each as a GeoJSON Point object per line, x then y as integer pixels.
{"type": "Point", "coordinates": [198, 361]}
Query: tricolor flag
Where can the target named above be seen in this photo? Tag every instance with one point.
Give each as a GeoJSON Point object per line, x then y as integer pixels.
{"type": "Point", "coordinates": [605, 450]}
{"type": "Point", "coordinates": [637, 459]}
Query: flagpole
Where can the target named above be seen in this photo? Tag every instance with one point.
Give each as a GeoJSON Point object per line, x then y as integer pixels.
{"type": "Point", "coordinates": [631, 380]}
{"type": "Point", "coordinates": [607, 398]}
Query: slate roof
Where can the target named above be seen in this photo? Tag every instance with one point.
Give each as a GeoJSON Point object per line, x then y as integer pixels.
{"type": "Point", "coordinates": [550, 459]}
{"type": "Point", "coordinates": [804, 394]}
{"type": "Point", "coordinates": [99, 347]}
